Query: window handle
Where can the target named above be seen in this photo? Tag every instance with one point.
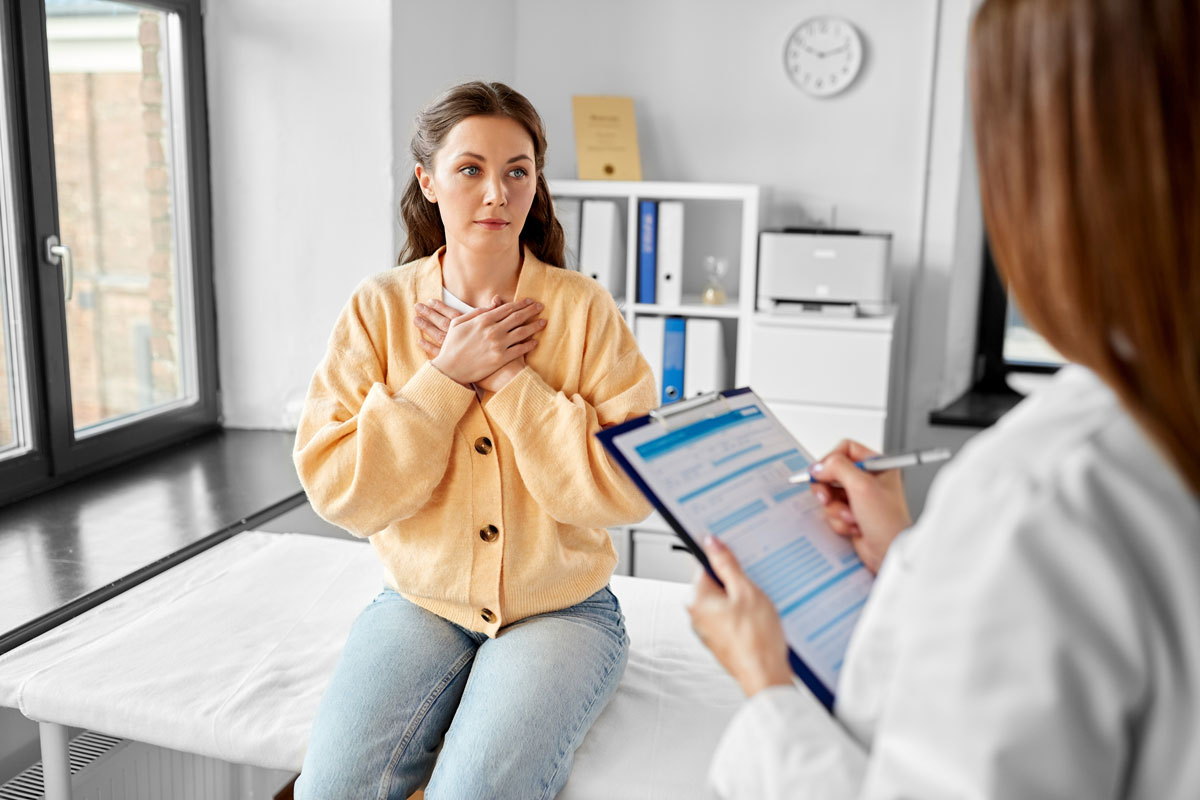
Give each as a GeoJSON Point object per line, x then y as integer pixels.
{"type": "Point", "coordinates": [57, 253]}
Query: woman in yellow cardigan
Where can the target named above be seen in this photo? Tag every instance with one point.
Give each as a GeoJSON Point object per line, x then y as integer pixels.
{"type": "Point", "coordinates": [452, 422]}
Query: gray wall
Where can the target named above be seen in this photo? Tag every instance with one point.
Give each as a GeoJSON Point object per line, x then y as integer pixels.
{"type": "Point", "coordinates": [299, 97]}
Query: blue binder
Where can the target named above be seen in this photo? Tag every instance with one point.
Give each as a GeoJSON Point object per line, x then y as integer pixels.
{"type": "Point", "coordinates": [674, 348]}
{"type": "Point", "coordinates": [647, 250]}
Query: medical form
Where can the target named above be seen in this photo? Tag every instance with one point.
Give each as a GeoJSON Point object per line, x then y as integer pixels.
{"type": "Point", "coordinates": [719, 465]}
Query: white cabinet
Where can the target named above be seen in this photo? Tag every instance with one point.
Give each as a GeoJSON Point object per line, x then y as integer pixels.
{"type": "Point", "coordinates": [662, 556]}
{"type": "Point", "coordinates": [844, 364]}
{"type": "Point", "coordinates": [825, 378]}
{"type": "Point", "coordinates": [622, 542]}
{"type": "Point", "coordinates": [820, 428]}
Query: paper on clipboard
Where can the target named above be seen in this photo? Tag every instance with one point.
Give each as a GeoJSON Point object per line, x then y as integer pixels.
{"type": "Point", "coordinates": [719, 466]}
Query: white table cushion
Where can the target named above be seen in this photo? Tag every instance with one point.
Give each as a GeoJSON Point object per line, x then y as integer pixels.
{"type": "Point", "coordinates": [227, 655]}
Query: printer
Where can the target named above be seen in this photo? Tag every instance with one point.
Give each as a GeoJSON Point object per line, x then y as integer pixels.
{"type": "Point", "coordinates": [826, 270]}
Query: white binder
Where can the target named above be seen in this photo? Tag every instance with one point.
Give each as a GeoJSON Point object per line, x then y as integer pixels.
{"type": "Point", "coordinates": [669, 283]}
{"type": "Point", "coordinates": [601, 245]}
{"type": "Point", "coordinates": [704, 359]}
{"type": "Point", "coordinates": [568, 211]}
{"type": "Point", "coordinates": [649, 334]}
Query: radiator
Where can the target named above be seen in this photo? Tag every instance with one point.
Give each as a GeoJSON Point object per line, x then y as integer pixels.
{"type": "Point", "coordinates": [106, 768]}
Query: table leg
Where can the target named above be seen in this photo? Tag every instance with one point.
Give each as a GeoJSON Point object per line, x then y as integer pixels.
{"type": "Point", "coordinates": [56, 764]}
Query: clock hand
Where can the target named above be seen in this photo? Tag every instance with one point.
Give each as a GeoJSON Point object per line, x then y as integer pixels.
{"type": "Point", "coordinates": [833, 52]}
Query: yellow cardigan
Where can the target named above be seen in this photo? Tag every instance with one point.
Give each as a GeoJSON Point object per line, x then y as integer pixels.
{"type": "Point", "coordinates": [483, 511]}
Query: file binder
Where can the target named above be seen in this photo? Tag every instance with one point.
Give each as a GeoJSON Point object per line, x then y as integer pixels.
{"type": "Point", "coordinates": [704, 358]}
{"type": "Point", "coordinates": [718, 465]}
{"type": "Point", "coordinates": [674, 353]}
{"type": "Point", "coordinates": [601, 252]}
{"type": "Point", "coordinates": [647, 250]}
{"type": "Point", "coordinates": [649, 334]}
{"type": "Point", "coordinates": [569, 211]}
{"type": "Point", "coordinates": [670, 253]}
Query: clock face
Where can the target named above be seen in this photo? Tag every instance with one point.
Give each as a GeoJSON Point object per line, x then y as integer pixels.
{"type": "Point", "coordinates": [823, 55]}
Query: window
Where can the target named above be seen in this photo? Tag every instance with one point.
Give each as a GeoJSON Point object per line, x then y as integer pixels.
{"type": "Point", "coordinates": [106, 321]}
{"type": "Point", "coordinates": [1004, 336]}
{"type": "Point", "coordinates": [1024, 348]}
{"type": "Point", "coordinates": [14, 425]}
{"type": "Point", "coordinates": [1004, 345]}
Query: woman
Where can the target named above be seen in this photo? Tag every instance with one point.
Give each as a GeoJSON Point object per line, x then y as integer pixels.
{"type": "Point", "coordinates": [1037, 633]}
{"type": "Point", "coordinates": [452, 421]}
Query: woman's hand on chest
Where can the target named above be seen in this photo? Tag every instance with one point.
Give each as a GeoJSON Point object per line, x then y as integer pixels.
{"type": "Point", "coordinates": [485, 347]}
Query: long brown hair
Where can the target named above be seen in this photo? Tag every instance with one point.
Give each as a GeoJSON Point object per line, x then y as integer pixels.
{"type": "Point", "coordinates": [1087, 132]}
{"type": "Point", "coordinates": [542, 233]}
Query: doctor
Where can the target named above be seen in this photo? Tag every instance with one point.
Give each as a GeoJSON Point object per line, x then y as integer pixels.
{"type": "Point", "coordinates": [1037, 633]}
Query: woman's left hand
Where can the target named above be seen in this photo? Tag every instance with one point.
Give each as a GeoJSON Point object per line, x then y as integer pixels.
{"type": "Point", "coordinates": [739, 624]}
{"type": "Point", "coordinates": [433, 320]}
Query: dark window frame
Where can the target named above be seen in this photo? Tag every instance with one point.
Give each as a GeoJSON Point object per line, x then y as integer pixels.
{"type": "Point", "coordinates": [55, 456]}
{"type": "Point", "coordinates": [990, 395]}
{"type": "Point", "coordinates": [993, 327]}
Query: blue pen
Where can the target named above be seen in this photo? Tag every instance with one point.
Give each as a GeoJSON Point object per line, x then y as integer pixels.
{"type": "Point", "coordinates": [882, 463]}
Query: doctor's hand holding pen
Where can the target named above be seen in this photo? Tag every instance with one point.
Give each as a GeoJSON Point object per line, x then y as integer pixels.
{"type": "Point", "coordinates": [739, 623]}
{"type": "Point", "coordinates": [867, 507]}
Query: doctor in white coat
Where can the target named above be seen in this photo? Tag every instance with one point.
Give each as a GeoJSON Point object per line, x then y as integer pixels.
{"type": "Point", "coordinates": [1036, 634]}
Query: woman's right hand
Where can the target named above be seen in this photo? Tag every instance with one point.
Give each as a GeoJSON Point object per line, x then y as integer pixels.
{"type": "Point", "coordinates": [482, 341]}
{"type": "Point", "coordinates": [867, 507]}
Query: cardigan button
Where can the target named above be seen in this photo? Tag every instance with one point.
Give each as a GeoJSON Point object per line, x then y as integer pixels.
{"type": "Point", "coordinates": [488, 616]}
{"type": "Point", "coordinates": [483, 445]}
{"type": "Point", "coordinates": [489, 533]}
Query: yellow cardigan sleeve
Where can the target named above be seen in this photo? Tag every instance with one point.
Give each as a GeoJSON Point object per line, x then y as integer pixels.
{"type": "Point", "coordinates": [365, 455]}
{"type": "Point", "coordinates": [563, 464]}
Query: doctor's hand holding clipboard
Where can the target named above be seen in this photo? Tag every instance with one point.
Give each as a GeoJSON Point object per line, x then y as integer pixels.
{"type": "Point", "coordinates": [739, 623]}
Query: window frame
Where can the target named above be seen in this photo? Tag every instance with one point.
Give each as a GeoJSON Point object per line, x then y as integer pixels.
{"type": "Point", "coordinates": [990, 396]}
{"type": "Point", "coordinates": [992, 368]}
{"type": "Point", "coordinates": [56, 456]}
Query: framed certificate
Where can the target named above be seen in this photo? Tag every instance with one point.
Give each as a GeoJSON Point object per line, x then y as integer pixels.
{"type": "Point", "coordinates": [606, 143]}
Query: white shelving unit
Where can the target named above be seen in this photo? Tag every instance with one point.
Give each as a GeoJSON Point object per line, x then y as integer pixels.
{"type": "Point", "coordinates": [825, 378]}
{"type": "Point", "coordinates": [720, 219]}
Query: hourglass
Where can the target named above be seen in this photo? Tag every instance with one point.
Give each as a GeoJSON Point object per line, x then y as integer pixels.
{"type": "Point", "coordinates": [714, 290]}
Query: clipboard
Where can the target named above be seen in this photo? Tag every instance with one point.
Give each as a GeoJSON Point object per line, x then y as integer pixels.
{"type": "Point", "coordinates": [718, 465]}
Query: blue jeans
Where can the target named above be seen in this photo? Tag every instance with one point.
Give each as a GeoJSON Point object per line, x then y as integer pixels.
{"type": "Point", "coordinates": [508, 713]}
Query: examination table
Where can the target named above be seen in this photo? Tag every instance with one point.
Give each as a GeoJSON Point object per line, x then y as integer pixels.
{"type": "Point", "coordinates": [227, 654]}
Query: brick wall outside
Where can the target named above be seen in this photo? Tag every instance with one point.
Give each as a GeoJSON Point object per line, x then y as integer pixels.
{"type": "Point", "coordinates": [6, 430]}
{"type": "Point", "coordinates": [163, 294]}
{"type": "Point", "coordinates": [115, 213]}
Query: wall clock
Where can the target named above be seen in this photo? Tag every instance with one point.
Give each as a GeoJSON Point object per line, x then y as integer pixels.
{"type": "Point", "coordinates": [823, 55]}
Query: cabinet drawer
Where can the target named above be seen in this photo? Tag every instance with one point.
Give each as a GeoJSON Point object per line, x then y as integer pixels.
{"type": "Point", "coordinates": [662, 556]}
{"type": "Point", "coordinates": [655, 523]}
{"type": "Point", "coordinates": [620, 540]}
{"type": "Point", "coordinates": [819, 429]}
{"type": "Point", "coordinates": [827, 366]}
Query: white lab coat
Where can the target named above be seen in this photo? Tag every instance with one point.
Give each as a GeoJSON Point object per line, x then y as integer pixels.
{"type": "Point", "coordinates": [1035, 635]}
